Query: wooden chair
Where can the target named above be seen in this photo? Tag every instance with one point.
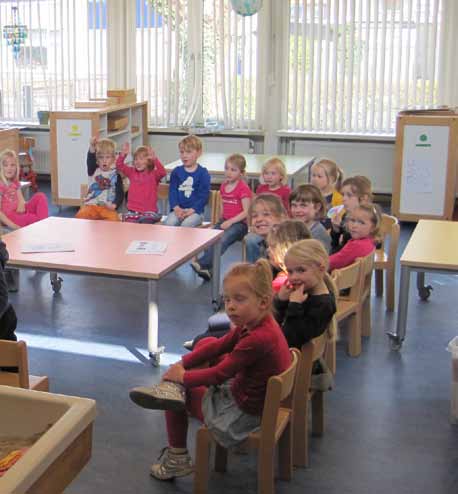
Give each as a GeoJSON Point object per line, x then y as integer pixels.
{"type": "Point", "coordinates": [385, 260]}
{"type": "Point", "coordinates": [14, 354]}
{"type": "Point", "coordinates": [276, 428]}
{"type": "Point", "coordinates": [348, 306]}
{"type": "Point", "coordinates": [367, 268]}
{"type": "Point", "coordinates": [214, 203]}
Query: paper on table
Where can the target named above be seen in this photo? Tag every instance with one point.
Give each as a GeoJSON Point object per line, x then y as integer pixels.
{"type": "Point", "coordinates": [146, 247]}
{"type": "Point", "coordinates": [47, 247]}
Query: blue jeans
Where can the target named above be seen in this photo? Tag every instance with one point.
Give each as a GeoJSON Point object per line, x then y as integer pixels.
{"type": "Point", "coordinates": [235, 232]}
{"type": "Point", "coordinates": [193, 220]}
{"type": "Point", "coordinates": [255, 247]}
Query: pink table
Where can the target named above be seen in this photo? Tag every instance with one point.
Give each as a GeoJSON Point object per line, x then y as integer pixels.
{"type": "Point", "coordinates": [100, 249]}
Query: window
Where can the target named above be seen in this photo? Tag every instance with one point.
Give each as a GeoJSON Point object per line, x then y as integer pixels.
{"type": "Point", "coordinates": [196, 63]}
{"type": "Point", "coordinates": [353, 64]}
{"type": "Point", "coordinates": [61, 58]}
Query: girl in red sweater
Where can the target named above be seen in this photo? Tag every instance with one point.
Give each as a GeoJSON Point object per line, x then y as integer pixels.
{"type": "Point", "coordinates": [363, 225]}
{"type": "Point", "coordinates": [228, 395]}
{"type": "Point", "coordinates": [144, 176]}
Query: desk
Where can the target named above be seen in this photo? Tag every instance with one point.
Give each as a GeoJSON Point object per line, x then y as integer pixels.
{"type": "Point", "coordinates": [214, 162]}
{"type": "Point", "coordinates": [432, 247]}
{"type": "Point", "coordinates": [100, 250]}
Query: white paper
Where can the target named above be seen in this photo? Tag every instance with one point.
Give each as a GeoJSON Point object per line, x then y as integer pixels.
{"type": "Point", "coordinates": [47, 247]}
{"type": "Point", "coordinates": [146, 247]}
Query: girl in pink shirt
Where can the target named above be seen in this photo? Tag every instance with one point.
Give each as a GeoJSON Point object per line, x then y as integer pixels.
{"type": "Point", "coordinates": [14, 211]}
{"type": "Point", "coordinates": [274, 178]}
{"type": "Point", "coordinates": [144, 176]}
{"type": "Point", "coordinates": [229, 394]}
{"type": "Point", "coordinates": [363, 224]}
{"type": "Point", "coordinates": [236, 199]}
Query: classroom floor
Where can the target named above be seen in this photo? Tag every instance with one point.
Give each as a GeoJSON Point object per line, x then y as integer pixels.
{"type": "Point", "coordinates": [387, 421]}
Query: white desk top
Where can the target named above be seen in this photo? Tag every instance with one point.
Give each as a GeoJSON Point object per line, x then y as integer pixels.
{"type": "Point", "coordinates": [214, 162]}
{"type": "Point", "coordinates": [433, 244]}
{"type": "Point", "coordinates": [100, 247]}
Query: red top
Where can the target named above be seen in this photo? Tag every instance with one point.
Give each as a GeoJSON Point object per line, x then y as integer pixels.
{"type": "Point", "coordinates": [353, 249]}
{"type": "Point", "coordinates": [8, 196]}
{"type": "Point", "coordinates": [252, 358]}
{"type": "Point", "coordinates": [232, 201]}
{"type": "Point", "coordinates": [143, 185]}
{"type": "Point", "coordinates": [282, 192]}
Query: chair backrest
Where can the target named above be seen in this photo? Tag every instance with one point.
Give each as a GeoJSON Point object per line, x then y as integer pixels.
{"type": "Point", "coordinates": [349, 277]}
{"type": "Point", "coordinates": [390, 230]}
{"type": "Point", "coordinates": [279, 391]}
{"type": "Point", "coordinates": [366, 269]}
{"type": "Point", "coordinates": [14, 354]}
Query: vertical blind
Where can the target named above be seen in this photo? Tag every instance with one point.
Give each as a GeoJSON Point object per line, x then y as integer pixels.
{"type": "Point", "coordinates": [63, 57]}
{"type": "Point", "coordinates": [196, 63]}
{"type": "Point", "coordinates": [353, 64]}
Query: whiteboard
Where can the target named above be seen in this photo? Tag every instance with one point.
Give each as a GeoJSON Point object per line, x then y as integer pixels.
{"type": "Point", "coordinates": [72, 145]}
{"type": "Point", "coordinates": [424, 169]}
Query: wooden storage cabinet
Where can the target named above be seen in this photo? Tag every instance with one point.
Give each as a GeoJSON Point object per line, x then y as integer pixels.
{"type": "Point", "coordinates": [71, 131]}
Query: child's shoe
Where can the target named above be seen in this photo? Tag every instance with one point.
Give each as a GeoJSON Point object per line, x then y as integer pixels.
{"type": "Point", "coordinates": [166, 395]}
{"type": "Point", "coordinates": [171, 465]}
{"type": "Point", "coordinates": [205, 274]}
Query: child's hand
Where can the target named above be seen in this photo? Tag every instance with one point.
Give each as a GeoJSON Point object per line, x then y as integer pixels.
{"type": "Point", "coordinates": [125, 149]}
{"type": "Point", "coordinates": [93, 142]}
{"type": "Point", "coordinates": [298, 295]}
{"type": "Point", "coordinates": [151, 154]}
{"type": "Point", "coordinates": [178, 212]}
{"type": "Point", "coordinates": [225, 225]}
{"type": "Point", "coordinates": [110, 205]}
{"type": "Point", "coordinates": [285, 291]}
{"type": "Point", "coordinates": [174, 373]}
{"type": "Point", "coordinates": [188, 212]}
{"type": "Point", "coordinates": [20, 207]}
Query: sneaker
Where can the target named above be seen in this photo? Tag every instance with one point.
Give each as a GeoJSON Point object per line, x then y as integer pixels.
{"type": "Point", "coordinates": [166, 395]}
{"type": "Point", "coordinates": [171, 465]}
{"type": "Point", "coordinates": [205, 274]}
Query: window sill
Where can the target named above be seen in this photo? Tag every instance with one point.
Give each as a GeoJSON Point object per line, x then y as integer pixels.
{"type": "Point", "coordinates": [333, 136]}
{"type": "Point", "coordinates": [202, 131]}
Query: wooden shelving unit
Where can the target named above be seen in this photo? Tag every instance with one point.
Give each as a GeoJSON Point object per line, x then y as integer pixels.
{"type": "Point", "coordinates": [71, 131]}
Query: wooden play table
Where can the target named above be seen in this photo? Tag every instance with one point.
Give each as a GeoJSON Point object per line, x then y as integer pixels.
{"type": "Point", "coordinates": [100, 250]}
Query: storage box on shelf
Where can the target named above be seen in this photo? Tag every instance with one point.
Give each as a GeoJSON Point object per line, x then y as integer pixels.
{"type": "Point", "coordinates": [71, 131]}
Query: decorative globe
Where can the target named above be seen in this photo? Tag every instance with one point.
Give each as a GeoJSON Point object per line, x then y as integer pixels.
{"type": "Point", "coordinates": [246, 7]}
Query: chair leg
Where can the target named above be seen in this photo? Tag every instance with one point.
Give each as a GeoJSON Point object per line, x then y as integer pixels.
{"type": "Point", "coordinates": [300, 433]}
{"type": "Point", "coordinates": [366, 317]}
{"type": "Point", "coordinates": [330, 356]}
{"type": "Point", "coordinates": [220, 458]}
{"type": "Point", "coordinates": [318, 413]}
{"type": "Point", "coordinates": [201, 470]}
{"type": "Point", "coordinates": [266, 455]}
{"type": "Point", "coordinates": [354, 337]}
{"type": "Point", "coordinates": [390, 284]}
{"type": "Point", "coordinates": [378, 282]}
{"type": "Point", "coordinates": [285, 454]}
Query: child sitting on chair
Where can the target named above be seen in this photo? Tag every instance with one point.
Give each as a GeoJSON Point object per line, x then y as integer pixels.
{"type": "Point", "coordinates": [229, 394]}
{"type": "Point", "coordinates": [189, 186]}
{"type": "Point", "coordinates": [15, 212]}
{"type": "Point", "coordinates": [144, 177]}
{"type": "Point", "coordinates": [105, 193]}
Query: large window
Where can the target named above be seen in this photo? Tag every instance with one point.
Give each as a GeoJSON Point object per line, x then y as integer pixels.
{"type": "Point", "coordinates": [353, 64]}
{"type": "Point", "coordinates": [60, 55]}
{"type": "Point", "coordinates": [196, 63]}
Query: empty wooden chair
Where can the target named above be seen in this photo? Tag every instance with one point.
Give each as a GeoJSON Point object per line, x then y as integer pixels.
{"type": "Point", "coordinates": [14, 354]}
{"type": "Point", "coordinates": [385, 259]}
{"type": "Point", "coordinates": [276, 428]}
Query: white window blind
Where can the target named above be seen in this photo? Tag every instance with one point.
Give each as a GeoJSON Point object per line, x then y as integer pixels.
{"type": "Point", "coordinates": [353, 64]}
{"type": "Point", "coordinates": [196, 63]}
{"type": "Point", "coordinates": [63, 56]}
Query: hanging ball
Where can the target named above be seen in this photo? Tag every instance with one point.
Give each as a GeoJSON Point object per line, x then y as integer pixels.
{"type": "Point", "coordinates": [246, 7]}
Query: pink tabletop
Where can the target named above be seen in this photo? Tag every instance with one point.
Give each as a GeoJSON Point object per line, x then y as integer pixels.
{"type": "Point", "coordinates": [100, 246]}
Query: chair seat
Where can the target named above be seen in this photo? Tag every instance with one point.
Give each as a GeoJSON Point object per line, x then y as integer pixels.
{"type": "Point", "coordinates": [345, 308]}
{"type": "Point", "coordinates": [39, 383]}
{"type": "Point", "coordinates": [282, 421]}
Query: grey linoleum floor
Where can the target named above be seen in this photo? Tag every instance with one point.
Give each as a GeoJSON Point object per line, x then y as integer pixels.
{"type": "Point", "coordinates": [387, 421]}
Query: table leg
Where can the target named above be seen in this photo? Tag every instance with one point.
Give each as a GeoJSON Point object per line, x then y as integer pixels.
{"type": "Point", "coordinates": [153, 323]}
{"type": "Point", "coordinates": [423, 291]}
{"type": "Point", "coordinates": [398, 336]}
{"type": "Point", "coordinates": [216, 275]}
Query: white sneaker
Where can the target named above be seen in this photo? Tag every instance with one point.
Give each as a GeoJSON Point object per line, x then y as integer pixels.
{"type": "Point", "coordinates": [171, 465]}
{"type": "Point", "coordinates": [166, 395]}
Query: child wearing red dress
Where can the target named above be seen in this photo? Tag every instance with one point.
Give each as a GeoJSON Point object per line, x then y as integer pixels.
{"type": "Point", "coordinates": [15, 212]}
{"type": "Point", "coordinates": [144, 176]}
{"type": "Point", "coordinates": [229, 394]}
{"type": "Point", "coordinates": [274, 178]}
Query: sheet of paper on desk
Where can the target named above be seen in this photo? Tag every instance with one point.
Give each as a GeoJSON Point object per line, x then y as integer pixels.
{"type": "Point", "coordinates": [47, 247]}
{"type": "Point", "coordinates": [146, 247]}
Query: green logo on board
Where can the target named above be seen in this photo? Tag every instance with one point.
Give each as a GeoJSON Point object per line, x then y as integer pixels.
{"type": "Point", "coordinates": [423, 142]}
